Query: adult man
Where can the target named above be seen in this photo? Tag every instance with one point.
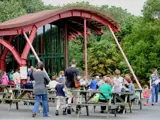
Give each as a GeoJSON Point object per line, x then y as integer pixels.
{"type": "Point", "coordinates": [71, 73]}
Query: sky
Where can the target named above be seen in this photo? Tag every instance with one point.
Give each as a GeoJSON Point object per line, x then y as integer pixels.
{"type": "Point", "coordinates": [132, 6]}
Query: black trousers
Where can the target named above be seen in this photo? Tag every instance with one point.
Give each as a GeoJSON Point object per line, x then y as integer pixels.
{"type": "Point", "coordinates": [103, 108]}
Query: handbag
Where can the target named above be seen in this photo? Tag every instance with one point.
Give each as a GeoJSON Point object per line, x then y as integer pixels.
{"type": "Point", "coordinates": [76, 82]}
{"type": "Point", "coordinates": [95, 98]}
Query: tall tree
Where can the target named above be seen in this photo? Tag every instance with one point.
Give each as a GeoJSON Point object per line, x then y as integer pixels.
{"type": "Point", "coordinates": [10, 9]}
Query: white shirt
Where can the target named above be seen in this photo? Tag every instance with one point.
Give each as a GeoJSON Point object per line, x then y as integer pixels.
{"type": "Point", "coordinates": [118, 83]}
{"type": "Point", "coordinates": [52, 84]}
{"type": "Point", "coordinates": [17, 77]}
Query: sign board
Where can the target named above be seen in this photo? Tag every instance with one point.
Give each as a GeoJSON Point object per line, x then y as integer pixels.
{"type": "Point", "coordinates": [23, 72]}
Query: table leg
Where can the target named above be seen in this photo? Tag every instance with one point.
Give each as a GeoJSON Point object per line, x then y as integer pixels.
{"type": "Point", "coordinates": [87, 110]}
{"type": "Point", "coordinates": [140, 100]}
{"type": "Point", "coordinates": [16, 95]}
{"type": "Point", "coordinates": [130, 104]}
{"type": "Point", "coordinates": [17, 106]}
{"type": "Point", "coordinates": [125, 103]}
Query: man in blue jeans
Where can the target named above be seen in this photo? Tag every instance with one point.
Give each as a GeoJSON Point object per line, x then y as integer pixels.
{"type": "Point", "coordinates": [154, 78]}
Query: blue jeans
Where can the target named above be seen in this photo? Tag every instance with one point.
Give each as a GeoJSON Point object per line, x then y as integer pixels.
{"type": "Point", "coordinates": [44, 102]}
{"type": "Point", "coordinates": [155, 90]}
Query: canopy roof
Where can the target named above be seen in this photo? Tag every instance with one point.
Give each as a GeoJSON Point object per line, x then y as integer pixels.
{"type": "Point", "coordinates": [72, 15]}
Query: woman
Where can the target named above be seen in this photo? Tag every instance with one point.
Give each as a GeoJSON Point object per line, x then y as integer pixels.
{"type": "Point", "coordinates": [154, 86]}
{"type": "Point", "coordinates": [5, 79]}
{"type": "Point", "coordinates": [40, 90]}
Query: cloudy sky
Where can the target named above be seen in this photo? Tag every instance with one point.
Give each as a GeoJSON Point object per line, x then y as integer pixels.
{"type": "Point", "coordinates": [132, 6]}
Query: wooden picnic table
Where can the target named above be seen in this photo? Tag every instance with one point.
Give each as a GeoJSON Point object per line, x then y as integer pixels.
{"type": "Point", "coordinates": [21, 96]}
{"type": "Point", "coordinates": [89, 94]}
{"type": "Point", "coordinates": [17, 95]}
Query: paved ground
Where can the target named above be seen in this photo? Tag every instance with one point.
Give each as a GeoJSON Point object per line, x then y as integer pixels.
{"type": "Point", "coordinates": [24, 113]}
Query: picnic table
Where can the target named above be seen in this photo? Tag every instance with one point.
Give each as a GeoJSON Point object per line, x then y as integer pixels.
{"type": "Point", "coordinates": [110, 106]}
{"type": "Point", "coordinates": [18, 95]}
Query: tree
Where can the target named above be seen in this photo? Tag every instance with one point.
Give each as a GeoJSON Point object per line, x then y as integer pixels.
{"type": "Point", "coordinates": [142, 48]}
{"type": "Point", "coordinates": [151, 10]}
{"type": "Point", "coordinates": [10, 9]}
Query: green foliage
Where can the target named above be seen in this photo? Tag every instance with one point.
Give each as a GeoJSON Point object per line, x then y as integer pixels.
{"type": "Point", "coordinates": [151, 10]}
{"type": "Point", "coordinates": [142, 48]}
{"type": "Point", "coordinates": [10, 9]}
{"type": "Point", "coordinates": [103, 58]}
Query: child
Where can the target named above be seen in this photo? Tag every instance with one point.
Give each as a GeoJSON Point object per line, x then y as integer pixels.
{"type": "Point", "coordinates": [5, 79]}
{"type": "Point", "coordinates": [93, 84]}
{"type": "Point", "coordinates": [146, 94]}
{"type": "Point", "coordinates": [52, 84]}
{"type": "Point", "coordinates": [60, 93]}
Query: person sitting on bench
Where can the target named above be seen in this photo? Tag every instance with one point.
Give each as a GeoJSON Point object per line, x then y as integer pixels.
{"type": "Point", "coordinates": [105, 87]}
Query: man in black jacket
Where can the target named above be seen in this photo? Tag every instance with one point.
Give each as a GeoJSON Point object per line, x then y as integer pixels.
{"type": "Point", "coordinates": [71, 73]}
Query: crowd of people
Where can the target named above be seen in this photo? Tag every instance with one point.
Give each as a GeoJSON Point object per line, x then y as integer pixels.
{"type": "Point", "coordinates": [64, 84]}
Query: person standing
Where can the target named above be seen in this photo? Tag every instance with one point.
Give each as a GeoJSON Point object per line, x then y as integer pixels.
{"type": "Point", "coordinates": [154, 85]}
{"type": "Point", "coordinates": [40, 90]}
{"type": "Point", "coordinates": [60, 95]}
{"type": "Point", "coordinates": [17, 78]}
{"type": "Point", "coordinates": [71, 73]}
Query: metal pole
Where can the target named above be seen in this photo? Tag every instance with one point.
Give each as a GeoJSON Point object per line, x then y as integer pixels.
{"type": "Point", "coordinates": [66, 44]}
{"type": "Point", "coordinates": [129, 66]}
{"type": "Point", "coordinates": [85, 50]}
{"type": "Point", "coordinates": [34, 52]}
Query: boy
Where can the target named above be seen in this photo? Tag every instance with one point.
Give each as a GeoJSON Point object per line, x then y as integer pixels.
{"type": "Point", "coordinates": [93, 84]}
{"type": "Point", "coordinates": [60, 93]}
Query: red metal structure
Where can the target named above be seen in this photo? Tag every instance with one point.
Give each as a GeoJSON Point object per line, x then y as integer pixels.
{"type": "Point", "coordinates": [76, 21]}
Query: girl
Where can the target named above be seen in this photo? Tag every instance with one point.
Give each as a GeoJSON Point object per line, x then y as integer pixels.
{"type": "Point", "coordinates": [146, 94]}
{"type": "Point", "coordinates": [5, 79]}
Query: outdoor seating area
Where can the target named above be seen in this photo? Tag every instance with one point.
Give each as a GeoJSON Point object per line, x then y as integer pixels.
{"type": "Point", "coordinates": [84, 100]}
{"type": "Point", "coordinates": [73, 59]}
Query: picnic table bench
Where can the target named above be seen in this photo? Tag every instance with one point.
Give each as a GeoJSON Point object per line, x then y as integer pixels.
{"type": "Point", "coordinates": [110, 106]}
{"type": "Point", "coordinates": [22, 96]}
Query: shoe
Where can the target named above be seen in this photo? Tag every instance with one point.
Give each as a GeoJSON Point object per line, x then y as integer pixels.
{"type": "Point", "coordinates": [64, 113]}
{"type": "Point", "coordinates": [145, 104]}
{"type": "Point", "coordinates": [157, 103]}
{"type": "Point", "coordinates": [152, 104]}
{"type": "Point", "coordinates": [33, 115]}
{"type": "Point", "coordinates": [102, 111]}
{"type": "Point", "coordinates": [57, 113]}
{"type": "Point", "coordinates": [69, 110]}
